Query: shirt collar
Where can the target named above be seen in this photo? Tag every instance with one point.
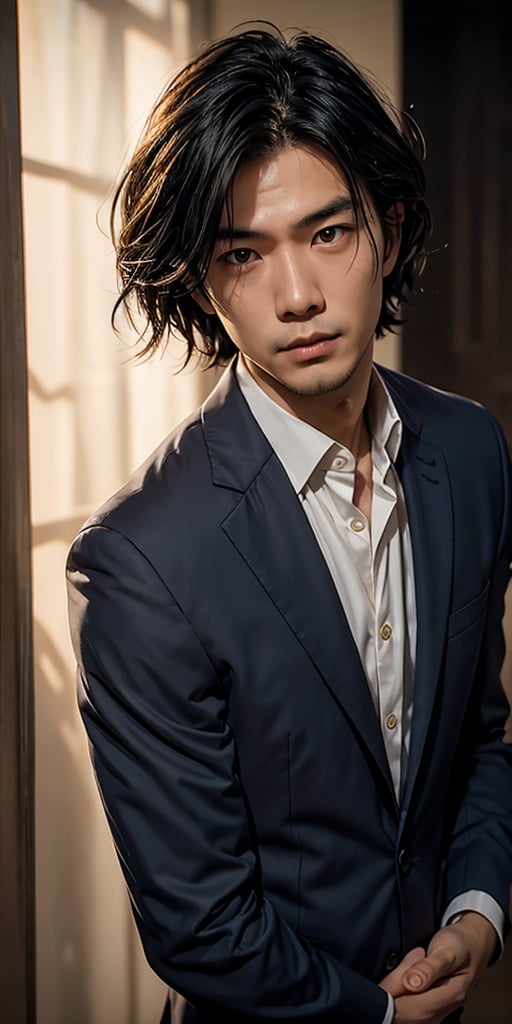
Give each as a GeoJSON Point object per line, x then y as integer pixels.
{"type": "Point", "coordinates": [299, 446]}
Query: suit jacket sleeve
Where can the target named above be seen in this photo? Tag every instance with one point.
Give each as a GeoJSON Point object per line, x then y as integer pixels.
{"type": "Point", "coordinates": [480, 851]}
{"type": "Point", "coordinates": [166, 765]}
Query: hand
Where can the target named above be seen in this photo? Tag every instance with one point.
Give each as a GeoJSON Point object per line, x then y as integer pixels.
{"type": "Point", "coordinates": [428, 988]}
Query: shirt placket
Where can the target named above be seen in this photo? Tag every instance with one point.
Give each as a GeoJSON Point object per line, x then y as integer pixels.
{"type": "Point", "coordinates": [388, 620]}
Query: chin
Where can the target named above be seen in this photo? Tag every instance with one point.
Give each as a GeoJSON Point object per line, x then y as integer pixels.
{"type": "Point", "coordinates": [325, 383]}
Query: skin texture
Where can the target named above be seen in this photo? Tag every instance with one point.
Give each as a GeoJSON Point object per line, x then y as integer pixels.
{"type": "Point", "coordinates": [298, 279]}
{"type": "Point", "coordinates": [287, 272]}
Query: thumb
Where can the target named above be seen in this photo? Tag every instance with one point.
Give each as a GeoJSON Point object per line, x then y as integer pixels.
{"type": "Point", "coordinates": [393, 982]}
{"type": "Point", "coordinates": [424, 974]}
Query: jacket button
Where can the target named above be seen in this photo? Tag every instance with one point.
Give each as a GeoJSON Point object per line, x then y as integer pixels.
{"type": "Point", "coordinates": [392, 961]}
{"type": "Point", "coordinates": [404, 862]}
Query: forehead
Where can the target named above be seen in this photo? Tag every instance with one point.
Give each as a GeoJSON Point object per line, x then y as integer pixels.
{"type": "Point", "coordinates": [286, 184]}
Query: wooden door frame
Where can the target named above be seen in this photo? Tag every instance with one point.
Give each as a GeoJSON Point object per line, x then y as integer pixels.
{"type": "Point", "coordinates": [17, 873]}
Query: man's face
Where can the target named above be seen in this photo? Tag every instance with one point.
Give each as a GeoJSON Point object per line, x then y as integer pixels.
{"type": "Point", "coordinates": [295, 282]}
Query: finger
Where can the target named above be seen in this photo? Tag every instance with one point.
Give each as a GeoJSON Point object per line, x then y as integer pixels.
{"type": "Point", "coordinates": [434, 1005]}
{"type": "Point", "coordinates": [440, 963]}
{"type": "Point", "coordinates": [393, 982]}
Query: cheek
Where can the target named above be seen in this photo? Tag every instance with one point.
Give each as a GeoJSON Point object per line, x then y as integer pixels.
{"type": "Point", "coordinates": [231, 301]}
{"type": "Point", "coordinates": [369, 287]}
{"type": "Point", "coordinates": [241, 308]}
{"type": "Point", "coordinates": [360, 297]}
{"type": "Point", "coordinates": [234, 325]}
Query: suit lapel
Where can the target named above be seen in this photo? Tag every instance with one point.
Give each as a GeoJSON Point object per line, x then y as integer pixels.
{"type": "Point", "coordinates": [424, 477]}
{"type": "Point", "coordinates": [271, 532]}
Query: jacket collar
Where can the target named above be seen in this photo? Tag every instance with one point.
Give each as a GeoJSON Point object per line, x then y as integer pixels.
{"type": "Point", "coordinates": [237, 448]}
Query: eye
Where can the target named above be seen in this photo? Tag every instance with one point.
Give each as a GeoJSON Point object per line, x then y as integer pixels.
{"type": "Point", "coordinates": [330, 234]}
{"type": "Point", "coordinates": [239, 257]}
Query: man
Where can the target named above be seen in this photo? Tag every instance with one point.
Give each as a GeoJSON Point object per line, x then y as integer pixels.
{"type": "Point", "coordinates": [288, 623]}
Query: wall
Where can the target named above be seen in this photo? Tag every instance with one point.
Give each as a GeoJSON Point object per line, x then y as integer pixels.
{"type": "Point", "coordinates": [90, 70]}
{"type": "Point", "coordinates": [89, 73]}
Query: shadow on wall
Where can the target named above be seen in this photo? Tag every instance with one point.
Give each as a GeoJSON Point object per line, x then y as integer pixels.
{"type": "Point", "coordinates": [61, 799]}
{"type": "Point", "coordinates": [81, 898]}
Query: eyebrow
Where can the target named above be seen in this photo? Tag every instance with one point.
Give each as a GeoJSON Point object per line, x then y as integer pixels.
{"type": "Point", "coordinates": [340, 204]}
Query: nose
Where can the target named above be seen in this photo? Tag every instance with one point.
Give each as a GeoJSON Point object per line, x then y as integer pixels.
{"type": "Point", "coordinates": [298, 295]}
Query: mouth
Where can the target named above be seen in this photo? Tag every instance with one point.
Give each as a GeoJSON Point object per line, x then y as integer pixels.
{"type": "Point", "coordinates": [307, 342]}
{"type": "Point", "coordinates": [314, 346]}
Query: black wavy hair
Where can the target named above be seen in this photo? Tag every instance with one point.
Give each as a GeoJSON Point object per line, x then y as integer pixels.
{"type": "Point", "coordinates": [244, 96]}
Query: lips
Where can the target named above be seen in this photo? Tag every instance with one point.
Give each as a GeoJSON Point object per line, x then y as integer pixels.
{"type": "Point", "coordinates": [304, 342]}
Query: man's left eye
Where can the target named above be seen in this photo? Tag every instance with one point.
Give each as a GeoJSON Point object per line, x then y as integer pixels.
{"type": "Point", "coordinates": [331, 234]}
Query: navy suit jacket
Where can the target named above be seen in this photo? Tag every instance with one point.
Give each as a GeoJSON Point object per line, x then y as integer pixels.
{"type": "Point", "coordinates": [240, 760]}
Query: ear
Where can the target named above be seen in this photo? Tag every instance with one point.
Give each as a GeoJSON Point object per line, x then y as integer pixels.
{"type": "Point", "coordinates": [392, 236]}
{"type": "Point", "coordinates": [201, 297]}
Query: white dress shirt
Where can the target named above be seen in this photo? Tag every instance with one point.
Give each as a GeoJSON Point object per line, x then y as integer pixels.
{"type": "Point", "coordinates": [371, 565]}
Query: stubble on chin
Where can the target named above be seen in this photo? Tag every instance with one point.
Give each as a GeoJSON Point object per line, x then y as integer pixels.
{"type": "Point", "coordinates": [321, 387]}
{"type": "Point", "coordinates": [328, 385]}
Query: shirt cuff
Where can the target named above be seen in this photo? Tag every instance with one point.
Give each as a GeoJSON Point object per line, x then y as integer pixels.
{"type": "Point", "coordinates": [390, 1012]}
{"type": "Point", "coordinates": [483, 904]}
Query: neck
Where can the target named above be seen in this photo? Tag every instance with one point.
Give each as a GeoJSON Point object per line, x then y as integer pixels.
{"type": "Point", "coordinates": [338, 413]}
{"type": "Point", "coordinates": [341, 416]}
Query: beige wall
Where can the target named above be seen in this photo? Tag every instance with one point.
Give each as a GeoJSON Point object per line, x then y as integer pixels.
{"type": "Point", "coordinates": [89, 73]}
{"type": "Point", "coordinates": [90, 69]}
{"type": "Point", "coordinates": [369, 30]}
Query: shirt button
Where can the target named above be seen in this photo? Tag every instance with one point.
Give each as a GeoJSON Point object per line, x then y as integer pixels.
{"type": "Point", "coordinates": [385, 631]}
{"type": "Point", "coordinates": [339, 462]}
{"type": "Point", "coordinates": [356, 525]}
{"type": "Point", "coordinates": [391, 721]}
